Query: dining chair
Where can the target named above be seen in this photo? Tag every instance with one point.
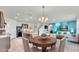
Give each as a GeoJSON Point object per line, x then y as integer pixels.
{"type": "Point", "coordinates": [27, 47]}
{"type": "Point", "coordinates": [60, 45]}
{"type": "Point", "coordinates": [53, 37]}
{"type": "Point", "coordinates": [27, 35]}
{"type": "Point", "coordinates": [4, 43]}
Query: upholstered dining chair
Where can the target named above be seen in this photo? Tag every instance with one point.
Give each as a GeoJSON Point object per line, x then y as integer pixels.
{"type": "Point", "coordinates": [4, 43]}
{"type": "Point", "coordinates": [27, 35]}
{"type": "Point", "coordinates": [27, 47]}
{"type": "Point", "coordinates": [60, 46]}
{"type": "Point", "coordinates": [53, 37]}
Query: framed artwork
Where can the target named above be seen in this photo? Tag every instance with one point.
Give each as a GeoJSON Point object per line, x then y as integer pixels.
{"type": "Point", "coordinates": [24, 25]}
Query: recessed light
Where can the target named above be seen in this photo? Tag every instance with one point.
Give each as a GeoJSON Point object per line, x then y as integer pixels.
{"type": "Point", "coordinates": [30, 17]}
{"type": "Point", "coordinates": [18, 14]}
{"type": "Point", "coordinates": [16, 17]}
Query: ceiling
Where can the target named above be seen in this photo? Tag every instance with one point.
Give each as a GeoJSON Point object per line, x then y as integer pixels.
{"type": "Point", "coordinates": [32, 13]}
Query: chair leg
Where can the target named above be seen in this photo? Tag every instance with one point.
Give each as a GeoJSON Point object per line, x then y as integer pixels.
{"type": "Point", "coordinates": [35, 46]}
{"type": "Point", "coordinates": [53, 46]}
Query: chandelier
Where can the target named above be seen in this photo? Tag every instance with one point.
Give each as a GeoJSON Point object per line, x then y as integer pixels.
{"type": "Point", "coordinates": [43, 18]}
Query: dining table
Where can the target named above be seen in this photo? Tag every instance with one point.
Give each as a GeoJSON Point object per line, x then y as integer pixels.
{"type": "Point", "coordinates": [45, 42]}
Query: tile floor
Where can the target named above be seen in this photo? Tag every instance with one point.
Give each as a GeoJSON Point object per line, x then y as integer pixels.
{"type": "Point", "coordinates": [17, 46]}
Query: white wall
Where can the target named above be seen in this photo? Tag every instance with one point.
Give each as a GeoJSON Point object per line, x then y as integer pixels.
{"type": "Point", "coordinates": [11, 27]}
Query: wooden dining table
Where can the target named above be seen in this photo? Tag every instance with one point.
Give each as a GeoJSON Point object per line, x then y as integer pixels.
{"type": "Point", "coordinates": [43, 42]}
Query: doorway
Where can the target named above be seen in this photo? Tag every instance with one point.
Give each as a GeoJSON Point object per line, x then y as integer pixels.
{"type": "Point", "coordinates": [18, 31]}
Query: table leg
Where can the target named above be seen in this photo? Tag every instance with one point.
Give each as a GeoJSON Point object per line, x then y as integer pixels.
{"type": "Point", "coordinates": [44, 49]}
